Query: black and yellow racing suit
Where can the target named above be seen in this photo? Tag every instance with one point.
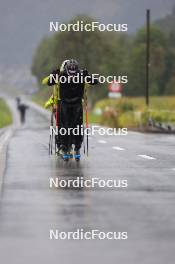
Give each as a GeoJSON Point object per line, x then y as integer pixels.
{"type": "Point", "coordinates": [70, 97]}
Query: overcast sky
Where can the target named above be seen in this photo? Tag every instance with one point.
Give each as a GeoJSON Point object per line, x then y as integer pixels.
{"type": "Point", "coordinates": [24, 22]}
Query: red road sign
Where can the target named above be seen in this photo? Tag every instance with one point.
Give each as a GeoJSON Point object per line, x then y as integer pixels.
{"type": "Point", "coordinates": [115, 87]}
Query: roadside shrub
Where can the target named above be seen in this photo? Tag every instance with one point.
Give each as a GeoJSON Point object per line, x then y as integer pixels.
{"type": "Point", "coordinates": [128, 119]}
{"type": "Point", "coordinates": [5, 114]}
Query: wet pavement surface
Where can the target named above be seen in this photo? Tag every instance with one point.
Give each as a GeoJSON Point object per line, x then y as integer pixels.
{"type": "Point", "coordinates": [29, 208]}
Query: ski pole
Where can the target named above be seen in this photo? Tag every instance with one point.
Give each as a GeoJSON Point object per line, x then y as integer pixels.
{"type": "Point", "coordinates": [87, 125]}
{"type": "Point", "coordinates": [57, 115]}
{"type": "Point", "coordinates": [84, 149]}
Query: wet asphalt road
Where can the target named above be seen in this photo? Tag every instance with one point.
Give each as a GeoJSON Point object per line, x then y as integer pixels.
{"type": "Point", "coordinates": [146, 209]}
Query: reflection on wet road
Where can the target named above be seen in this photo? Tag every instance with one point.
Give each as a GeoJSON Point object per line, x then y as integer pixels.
{"type": "Point", "coordinates": [29, 208]}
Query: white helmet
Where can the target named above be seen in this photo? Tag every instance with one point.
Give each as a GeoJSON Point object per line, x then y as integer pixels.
{"type": "Point", "coordinates": [63, 65]}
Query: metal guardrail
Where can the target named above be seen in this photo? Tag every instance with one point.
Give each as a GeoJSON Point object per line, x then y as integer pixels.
{"type": "Point", "coordinates": [5, 135]}
{"type": "Point", "coordinates": [160, 126]}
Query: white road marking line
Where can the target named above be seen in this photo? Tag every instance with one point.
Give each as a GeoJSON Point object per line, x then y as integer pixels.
{"type": "Point", "coordinates": [5, 137]}
{"type": "Point", "coordinates": [173, 169]}
{"type": "Point", "coordinates": [118, 148]}
{"type": "Point", "coordinates": [102, 141]}
{"type": "Point", "coordinates": [147, 157]}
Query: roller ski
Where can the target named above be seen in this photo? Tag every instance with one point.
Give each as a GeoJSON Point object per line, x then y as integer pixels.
{"type": "Point", "coordinates": [71, 154]}
{"type": "Point", "coordinates": [77, 155]}
{"type": "Point", "coordinates": [66, 155]}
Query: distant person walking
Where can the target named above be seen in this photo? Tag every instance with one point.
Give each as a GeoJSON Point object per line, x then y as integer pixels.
{"type": "Point", "coordinates": [18, 100]}
{"type": "Point", "coordinates": [22, 110]}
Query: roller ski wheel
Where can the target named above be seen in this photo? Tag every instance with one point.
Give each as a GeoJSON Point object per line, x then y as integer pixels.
{"type": "Point", "coordinates": [59, 152]}
{"type": "Point", "coordinates": [65, 156]}
{"type": "Point", "coordinates": [71, 155]}
{"type": "Point", "coordinates": [77, 155]}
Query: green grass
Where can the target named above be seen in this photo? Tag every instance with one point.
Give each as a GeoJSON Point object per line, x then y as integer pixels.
{"type": "Point", "coordinates": [130, 112]}
{"type": "Point", "coordinates": [133, 113]}
{"type": "Point", "coordinates": [138, 103]}
{"type": "Point", "coordinates": [5, 114]}
{"type": "Point", "coordinates": [93, 118]}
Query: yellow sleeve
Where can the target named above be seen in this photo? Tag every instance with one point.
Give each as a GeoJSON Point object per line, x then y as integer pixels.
{"type": "Point", "coordinates": [45, 80]}
{"type": "Point", "coordinates": [87, 85]}
{"type": "Point", "coordinates": [49, 103]}
{"type": "Point", "coordinates": [57, 91]}
{"type": "Point", "coordinates": [53, 99]}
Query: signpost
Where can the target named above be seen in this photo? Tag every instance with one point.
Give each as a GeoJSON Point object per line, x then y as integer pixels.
{"type": "Point", "coordinates": [115, 90]}
{"type": "Point", "coordinates": [147, 56]}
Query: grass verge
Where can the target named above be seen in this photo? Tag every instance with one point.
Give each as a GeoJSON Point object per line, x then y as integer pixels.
{"type": "Point", "coordinates": [130, 112]}
{"type": "Point", "coordinates": [133, 113]}
{"type": "Point", "coordinates": [5, 114]}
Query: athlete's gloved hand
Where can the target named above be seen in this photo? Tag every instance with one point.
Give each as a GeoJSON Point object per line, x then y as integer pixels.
{"type": "Point", "coordinates": [85, 73]}
{"type": "Point", "coordinates": [57, 71]}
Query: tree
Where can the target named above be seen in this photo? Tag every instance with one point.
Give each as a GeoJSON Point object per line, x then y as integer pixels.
{"type": "Point", "coordinates": [137, 63]}
{"type": "Point", "coordinates": [99, 52]}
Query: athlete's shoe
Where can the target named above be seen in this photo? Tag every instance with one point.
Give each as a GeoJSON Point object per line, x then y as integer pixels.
{"type": "Point", "coordinates": [59, 152]}
{"type": "Point", "coordinates": [77, 155]}
{"type": "Point", "coordinates": [71, 154]}
{"type": "Point", "coordinates": [65, 156]}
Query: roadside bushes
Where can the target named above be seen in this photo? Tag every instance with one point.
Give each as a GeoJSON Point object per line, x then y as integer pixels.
{"type": "Point", "coordinates": [158, 116]}
{"type": "Point", "coordinates": [5, 114]}
{"type": "Point", "coordinates": [132, 112]}
{"type": "Point", "coordinates": [118, 113]}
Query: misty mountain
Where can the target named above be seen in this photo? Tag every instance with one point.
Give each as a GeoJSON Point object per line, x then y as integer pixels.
{"type": "Point", "coordinates": [167, 24]}
{"type": "Point", "coordinates": [18, 76]}
{"type": "Point", "coordinates": [23, 23]}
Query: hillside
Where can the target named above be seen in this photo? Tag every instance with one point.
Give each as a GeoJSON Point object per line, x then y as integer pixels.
{"type": "Point", "coordinates": [24, 22]}
{"type": "Point", "coordinates": [167, 24]}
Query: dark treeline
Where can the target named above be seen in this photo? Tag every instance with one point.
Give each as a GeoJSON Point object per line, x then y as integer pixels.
{"type": "Point", "coordinates": [109, 53]}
